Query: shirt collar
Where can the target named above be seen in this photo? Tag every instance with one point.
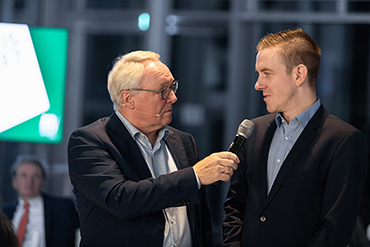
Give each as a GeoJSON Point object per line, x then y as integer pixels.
{"type": "Point", "coordinates": [162, 133]}
{"type": "Point", "coordinates": [302, 118]}
{"type": "Point", "coordinates": [34, 201]}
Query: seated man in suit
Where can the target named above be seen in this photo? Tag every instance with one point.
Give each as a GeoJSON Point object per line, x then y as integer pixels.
{"type": "Point", "coordinates": [137, 180]}
{"type": "Point", "coordinates": [52, 221]}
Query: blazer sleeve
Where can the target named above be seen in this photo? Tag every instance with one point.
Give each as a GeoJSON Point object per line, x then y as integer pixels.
{"type": "Point", "coordinates": [107, 178]}
{"type": "Point", "coordinates": [342, 195]}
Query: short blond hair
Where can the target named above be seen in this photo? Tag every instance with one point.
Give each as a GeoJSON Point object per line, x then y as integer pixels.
{"type": "Point", "coordinates": [127, 73]}
{"type": "Point", "coordinates": [296, 47]}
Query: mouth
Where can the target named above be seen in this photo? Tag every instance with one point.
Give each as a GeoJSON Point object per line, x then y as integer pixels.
{"type": "Point", "coordinates": [265, 97]}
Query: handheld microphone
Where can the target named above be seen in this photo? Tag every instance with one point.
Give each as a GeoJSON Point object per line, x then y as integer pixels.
{"type": "Point", "coordinates": [244, 131]}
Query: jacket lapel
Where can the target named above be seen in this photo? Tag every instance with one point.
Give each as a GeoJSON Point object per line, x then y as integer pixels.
{"type": "Point", "coordinates": [264, 157]}
{"type": "Point", "coordinates": [178, 153]}
{"type": "Point", "coordinates": [177, 150]}
{"type": "Point", "coordinates": [48, 217]}
{"type": "Point", "coordinates": [301, 144]}
{"type": "Point", "coordinates": [127, 146]}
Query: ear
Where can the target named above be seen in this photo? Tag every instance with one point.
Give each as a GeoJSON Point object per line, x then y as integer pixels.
{"type": "Point", "coordinates": [300, 74]}
{"type": "Point", "coordinates": [127, 99]}
{"type": "Point", "coordinates": [14, 183]}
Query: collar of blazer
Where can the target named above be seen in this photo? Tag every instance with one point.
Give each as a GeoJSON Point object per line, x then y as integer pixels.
{"type": "Point", "coordinates": [301, 144]}
{"type": "Point", "coordinates": [125, 149]}
{"type": "Point", "coordinates": [121, 139]}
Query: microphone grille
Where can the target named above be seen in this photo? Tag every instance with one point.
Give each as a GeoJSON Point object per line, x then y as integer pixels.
{"type": "Point", "coordinates": [246, 128]}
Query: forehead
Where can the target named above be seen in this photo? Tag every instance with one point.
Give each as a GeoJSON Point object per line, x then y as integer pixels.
{"type": "Point", "coordinates": [28, 167]}
{"type": "Point", "coordinates": [268, 58]}
{"type": "Point", "coordinates": [156, 72]}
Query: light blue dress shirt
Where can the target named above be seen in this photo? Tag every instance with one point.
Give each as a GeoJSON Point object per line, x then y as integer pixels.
{"type": "Point", "coordinates": [159, 160]}
{"type": "Point", "coordinates": [284, 138]}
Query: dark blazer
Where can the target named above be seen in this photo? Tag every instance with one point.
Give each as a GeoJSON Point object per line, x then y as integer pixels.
{"type": "Point", "coordinates": [119, 202]}
{"type": "Point", "coordinates": [61, 220]}
{"type": "Point", "coordinates": [315, 198]}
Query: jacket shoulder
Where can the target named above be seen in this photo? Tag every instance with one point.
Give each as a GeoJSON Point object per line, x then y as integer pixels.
{"type": "Point", "coordinates": [9, 208]}
{"type": "Point", "coordinates": [177, 131]}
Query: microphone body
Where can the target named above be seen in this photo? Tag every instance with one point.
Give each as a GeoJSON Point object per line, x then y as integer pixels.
{"type": "Point", "coordinates": [244, 131]}
{"type": "Point", "coordinates": [237, 144]}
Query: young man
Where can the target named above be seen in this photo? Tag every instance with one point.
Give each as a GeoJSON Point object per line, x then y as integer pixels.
{"type": "Point", "coordinates": [302, 171]}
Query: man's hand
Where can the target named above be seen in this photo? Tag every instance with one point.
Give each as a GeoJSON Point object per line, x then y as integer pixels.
{"type": "Point", "coordinates": [216, 167]}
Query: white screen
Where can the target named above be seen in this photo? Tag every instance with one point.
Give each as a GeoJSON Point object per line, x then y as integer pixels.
{"type": "Point", "coordinates": [22, 90]}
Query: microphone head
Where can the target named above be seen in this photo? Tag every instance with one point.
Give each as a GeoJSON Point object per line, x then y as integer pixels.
{"type": "Point", "coordinates": [246, 128]}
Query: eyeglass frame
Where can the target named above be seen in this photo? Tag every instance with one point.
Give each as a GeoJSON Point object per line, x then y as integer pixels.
{"type": "Point", "coordinates": [174, 86]}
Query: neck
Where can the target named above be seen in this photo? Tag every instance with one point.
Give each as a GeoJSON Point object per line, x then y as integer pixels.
{"type": "Point", "coordinates": [299, 107]}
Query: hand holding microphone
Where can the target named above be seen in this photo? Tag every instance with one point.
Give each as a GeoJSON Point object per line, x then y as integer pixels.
{"type": "Point", "coordinates": [244, 131]}
{"type": "Point", "coordinates": [216, 167]}
{"type": "Point", "coordinates": [221, 166]}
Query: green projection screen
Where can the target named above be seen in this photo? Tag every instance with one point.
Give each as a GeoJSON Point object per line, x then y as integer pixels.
{"type": "Point", "coordinates": [38, 117]}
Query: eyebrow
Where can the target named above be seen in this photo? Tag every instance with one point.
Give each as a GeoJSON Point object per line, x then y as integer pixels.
{"type": "Point", "coordinates": [264, 70]}
{"type": "Point", "coordinates": [171, 82]}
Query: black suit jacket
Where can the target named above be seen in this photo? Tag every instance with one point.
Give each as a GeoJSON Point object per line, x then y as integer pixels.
{"type": "Point", "coordinates": [119, 202]}
{"type": "Point", "coordinates": [61, 220]}
{"type": "Point", "coordinates": [315, 198]}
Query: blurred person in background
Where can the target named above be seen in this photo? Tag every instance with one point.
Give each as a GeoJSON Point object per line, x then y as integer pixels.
{"type": "Point", "coordinates": [40, 219]}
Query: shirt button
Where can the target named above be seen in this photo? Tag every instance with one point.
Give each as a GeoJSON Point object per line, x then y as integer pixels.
{"type": "Point", "coordinates": [286, 138]}
{"type": "Point", "coordinates": [172, 220]}
{"type": "Point", "coordinates": [278, 160]}
{"type": "Point", "coordinates": [175, 245]}
{"type": "Point", "coordinates": [263, 218]}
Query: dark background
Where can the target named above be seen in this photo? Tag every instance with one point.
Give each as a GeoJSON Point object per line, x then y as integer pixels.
{"type": "Point", "coordinates": [209, 45]}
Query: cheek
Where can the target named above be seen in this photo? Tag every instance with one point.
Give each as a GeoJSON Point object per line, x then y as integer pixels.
{"type": "Point", "coordinates": [38, 183]}
{"type": "Point", "coordinates": [15, 184]}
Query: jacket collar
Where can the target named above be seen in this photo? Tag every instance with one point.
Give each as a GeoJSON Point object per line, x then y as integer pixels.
{"type": "Point", "coordinates": [301, 144]}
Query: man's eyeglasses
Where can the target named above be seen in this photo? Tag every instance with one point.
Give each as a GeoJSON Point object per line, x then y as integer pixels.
{"type": "Point", "coordinates": [165, 91]}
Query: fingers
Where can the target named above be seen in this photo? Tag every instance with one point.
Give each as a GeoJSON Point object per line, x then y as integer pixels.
{"type": "Point", "coordinates": [225, 175]}
{"type": "Point", "coordinates": [228, 170]}
{"type": "Point", "coordinates": [216, 167]}
{"type": "Point", "coordinates": [229, 162]}
{"type": "Point", "coordinates": [228, 155]}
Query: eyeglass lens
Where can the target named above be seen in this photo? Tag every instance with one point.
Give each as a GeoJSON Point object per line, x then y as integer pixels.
{"type": "Point", "coordinates": [173, 87]}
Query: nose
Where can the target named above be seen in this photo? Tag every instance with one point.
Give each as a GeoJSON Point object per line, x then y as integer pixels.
{"type": "Point", "coordinates": [29, 180]}
{"type": "Point", "coordinates": [172, 98]}
{"type": "Point", "coordinates": [257, 86]}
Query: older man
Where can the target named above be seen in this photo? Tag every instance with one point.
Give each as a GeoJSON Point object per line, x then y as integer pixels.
{"type": "Point", "coordinates": [137, 180]}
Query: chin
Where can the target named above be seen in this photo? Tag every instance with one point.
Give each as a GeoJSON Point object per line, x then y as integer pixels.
{"type": "Point", "coordinates": [167, 121]}
{"type": "Point", "coordinates": [271, 110]}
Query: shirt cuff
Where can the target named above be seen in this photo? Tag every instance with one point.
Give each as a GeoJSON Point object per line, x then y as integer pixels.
{"type": "Point", "coordinates": [198, 182]}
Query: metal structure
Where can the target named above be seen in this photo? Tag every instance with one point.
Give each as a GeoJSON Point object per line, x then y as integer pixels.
{"type": "Point", "coordinates": [210, 45]}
